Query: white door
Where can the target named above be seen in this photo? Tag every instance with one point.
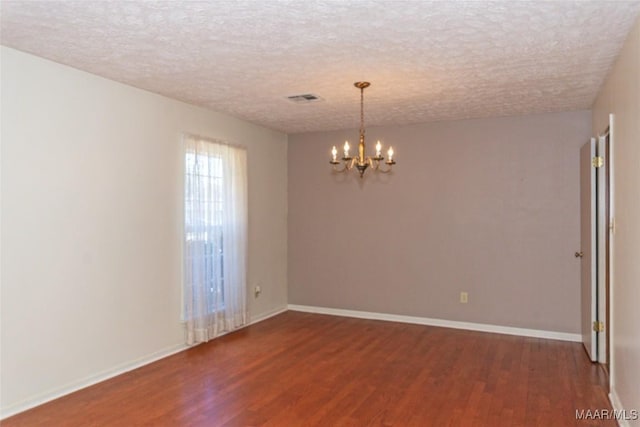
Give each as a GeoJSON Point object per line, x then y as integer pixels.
{"type": "Point", "coordinates": [588, 248]}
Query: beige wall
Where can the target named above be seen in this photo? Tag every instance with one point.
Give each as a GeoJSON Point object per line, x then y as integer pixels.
{"type": "Point", "coordinates": [620, 95]}
{"type": "Point", "coordinates": [488, 206]}
{"type": "Point", "coordinates": [92, 223]}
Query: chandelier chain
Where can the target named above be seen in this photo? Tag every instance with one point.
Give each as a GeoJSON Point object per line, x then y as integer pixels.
{"type": "Point", "coordinates": [362, 111]}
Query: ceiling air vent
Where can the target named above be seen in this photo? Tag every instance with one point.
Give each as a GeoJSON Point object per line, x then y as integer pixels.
{"type": "Point", "coordinates": [304, 99]}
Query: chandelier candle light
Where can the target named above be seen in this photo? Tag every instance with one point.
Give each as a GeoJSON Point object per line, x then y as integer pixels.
{"type": "Point", "coordinates": [362, 162]}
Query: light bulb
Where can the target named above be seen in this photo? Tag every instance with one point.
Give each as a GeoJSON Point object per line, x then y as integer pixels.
{"type": "Point", "coordinates": [390, 153]}
{"type": "Point", "coordinates": [334, 152]}
{"type": "Point", "coordinates": [346, 148]}
{"type": "Point", "coordinates": [378, 149]}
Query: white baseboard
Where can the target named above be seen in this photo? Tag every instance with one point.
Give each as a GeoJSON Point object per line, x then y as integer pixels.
{"type": "Point", "coordinates": [617, 407]}
{"type": "Point", "coordinates": [89, 381]}
{"type": "Point", "coordinates": [120, 369]}
{"type": "Point", "coordinates": [508, 330]}
{"type": "Point", "coordinates": [265, 316]}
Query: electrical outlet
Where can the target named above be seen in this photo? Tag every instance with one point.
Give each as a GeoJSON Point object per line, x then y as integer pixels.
{"type": "Point", "coordinates": [257, 291]}
{"type": "Point", "coordinates": [464, 297]}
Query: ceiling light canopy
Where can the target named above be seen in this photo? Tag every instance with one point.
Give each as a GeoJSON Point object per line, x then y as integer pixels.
{"type": "Point", "coordinates": [362, 162]}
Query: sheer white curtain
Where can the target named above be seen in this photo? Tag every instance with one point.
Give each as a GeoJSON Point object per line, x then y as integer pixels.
{"type": "Point", "coordinates": [215, 238]}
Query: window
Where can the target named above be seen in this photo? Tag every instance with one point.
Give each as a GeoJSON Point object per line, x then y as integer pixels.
{"type": "Point", "coordinates": [203, 230]}
{"type": "Point", "coordinates": [215, 238]}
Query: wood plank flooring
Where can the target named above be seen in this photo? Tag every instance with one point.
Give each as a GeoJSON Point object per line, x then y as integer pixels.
{"type": "Point", "coordinates": [299, 369]}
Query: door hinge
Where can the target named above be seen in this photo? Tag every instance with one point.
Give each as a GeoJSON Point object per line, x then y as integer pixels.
{"type": "Point", "coordinates": [598, 326]}
{"type": "Point", "coordinates": [597, 162]}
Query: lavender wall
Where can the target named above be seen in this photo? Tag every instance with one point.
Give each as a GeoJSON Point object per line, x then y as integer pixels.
{"type": "Point", "coordinates": [487, 206]}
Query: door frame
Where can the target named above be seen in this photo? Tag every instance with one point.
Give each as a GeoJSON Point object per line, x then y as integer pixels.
{"type": "Point", "coordinates": [589, 335]}
{"type": "Point", "coordinates": [610, 237]}
{"type": "Point", "coordinates": [605, 231]}
{"type": "Point", "coordinates": [603, 222]}
{"type": "Point", "coordinates": [601, 234]}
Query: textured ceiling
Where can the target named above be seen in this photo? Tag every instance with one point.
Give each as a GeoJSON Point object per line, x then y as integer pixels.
{"type": "Point", "coordinates": [426, 60]}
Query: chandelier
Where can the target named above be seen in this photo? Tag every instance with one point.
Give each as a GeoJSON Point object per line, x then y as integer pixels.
{"type": "Point", "coordinates": [362, 162]}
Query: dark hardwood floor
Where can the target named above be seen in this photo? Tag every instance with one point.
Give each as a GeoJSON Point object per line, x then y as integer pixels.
{"type": "Point", "coordinates": [299, 369]}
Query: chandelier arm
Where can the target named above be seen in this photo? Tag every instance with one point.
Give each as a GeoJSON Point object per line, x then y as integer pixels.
{"type": "Point", "coordinates": [381, 170]}
{"type": "Point", "coordinates": [344, 169]}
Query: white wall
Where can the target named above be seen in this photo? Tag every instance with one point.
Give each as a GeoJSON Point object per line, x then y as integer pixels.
{"type": "Point", "coordinates": [91, 224]}
{"type": "Point", "coordinates": [620, 95]}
